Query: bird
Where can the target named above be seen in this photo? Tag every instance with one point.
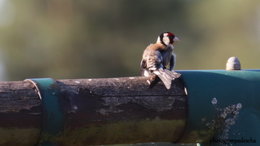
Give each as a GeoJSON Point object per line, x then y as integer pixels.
{"type": "Point", "coordinates": [158, 60]}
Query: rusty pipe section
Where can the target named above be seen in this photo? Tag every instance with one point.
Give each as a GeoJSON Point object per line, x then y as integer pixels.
{"type": "Point", "coordinates": [123, 110]}
{"type": "Point", "coordinates": [99, 111]}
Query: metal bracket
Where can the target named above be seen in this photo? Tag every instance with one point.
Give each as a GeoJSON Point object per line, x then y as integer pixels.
{"type": "Point", "coordinates": [52, 113]}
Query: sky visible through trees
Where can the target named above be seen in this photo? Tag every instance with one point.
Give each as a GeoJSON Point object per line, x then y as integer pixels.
{"type": "Point", "coordinates": [95, 39]}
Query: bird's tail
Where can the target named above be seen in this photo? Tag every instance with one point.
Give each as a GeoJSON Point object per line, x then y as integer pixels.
{"type": "Point", "coordinates": [167, 76]}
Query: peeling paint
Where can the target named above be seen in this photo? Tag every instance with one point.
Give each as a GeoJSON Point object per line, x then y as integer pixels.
{"type": "Point", "coordinates": [77, 82]}
{"type": "Point", "coordinates": [185, 91]}
{"type": "Point", "coordinates": [151, 102]}
{"type": "Point", "coordinates": [75, 107]}
{"type": "Point", "coordinates": [103, 111]}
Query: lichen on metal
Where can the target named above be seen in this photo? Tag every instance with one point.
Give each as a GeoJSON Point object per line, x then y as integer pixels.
{"type": "Point", "coordinates": [226, 89]}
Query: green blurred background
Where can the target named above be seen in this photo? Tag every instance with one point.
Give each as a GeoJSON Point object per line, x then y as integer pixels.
{"type": "Point", "coordinates": [106, 38]}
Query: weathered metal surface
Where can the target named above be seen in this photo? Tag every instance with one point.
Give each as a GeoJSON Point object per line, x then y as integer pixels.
{"type": "Point", "coordinates": [123, 110]}
{"type": "Point", "coordinates": [97, 111]}
{"type": "Point", "coordinates": [16, 96]}
{"type": "Point", "coordinates": [20, 114]}
{"type": "Point", "coordinates": [223, 103]}
{"type": "Point", "coordinates": [126, 110]}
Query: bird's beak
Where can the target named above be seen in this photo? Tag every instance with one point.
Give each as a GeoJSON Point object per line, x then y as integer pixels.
{"type": "Point", "coordinates": [176, 39]}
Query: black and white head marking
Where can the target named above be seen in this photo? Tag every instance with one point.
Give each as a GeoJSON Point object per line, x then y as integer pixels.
{"type": "Point", "coordinates": [167, 38]}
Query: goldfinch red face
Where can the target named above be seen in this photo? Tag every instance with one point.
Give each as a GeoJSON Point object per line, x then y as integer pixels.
{"type": "Point", "coordinates": [167, 38]}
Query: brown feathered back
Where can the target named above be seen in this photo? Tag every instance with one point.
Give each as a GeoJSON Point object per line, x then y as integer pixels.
{"type": "Point", "coordinates": [152, 57]}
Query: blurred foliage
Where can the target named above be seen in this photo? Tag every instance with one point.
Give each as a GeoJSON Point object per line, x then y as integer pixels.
{"type": "Point", "coordinates": [86, 39]}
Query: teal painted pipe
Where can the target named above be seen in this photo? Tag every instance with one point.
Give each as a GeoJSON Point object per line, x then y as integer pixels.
{"type": "Point", "coordinates": [53, 116]}
{"type": "Point", "coordinates": [214, 92]}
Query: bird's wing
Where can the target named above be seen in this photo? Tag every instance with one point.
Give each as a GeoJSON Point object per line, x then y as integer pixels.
{"type": "Point", "coordinates": [152, 57]}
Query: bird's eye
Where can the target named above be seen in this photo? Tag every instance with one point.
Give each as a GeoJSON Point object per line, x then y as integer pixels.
{"type": "Point", "coordinates": [171, 37]}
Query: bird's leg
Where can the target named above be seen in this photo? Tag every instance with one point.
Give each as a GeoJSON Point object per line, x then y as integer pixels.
{"type": "Point", "coordinates": [153, 80]}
